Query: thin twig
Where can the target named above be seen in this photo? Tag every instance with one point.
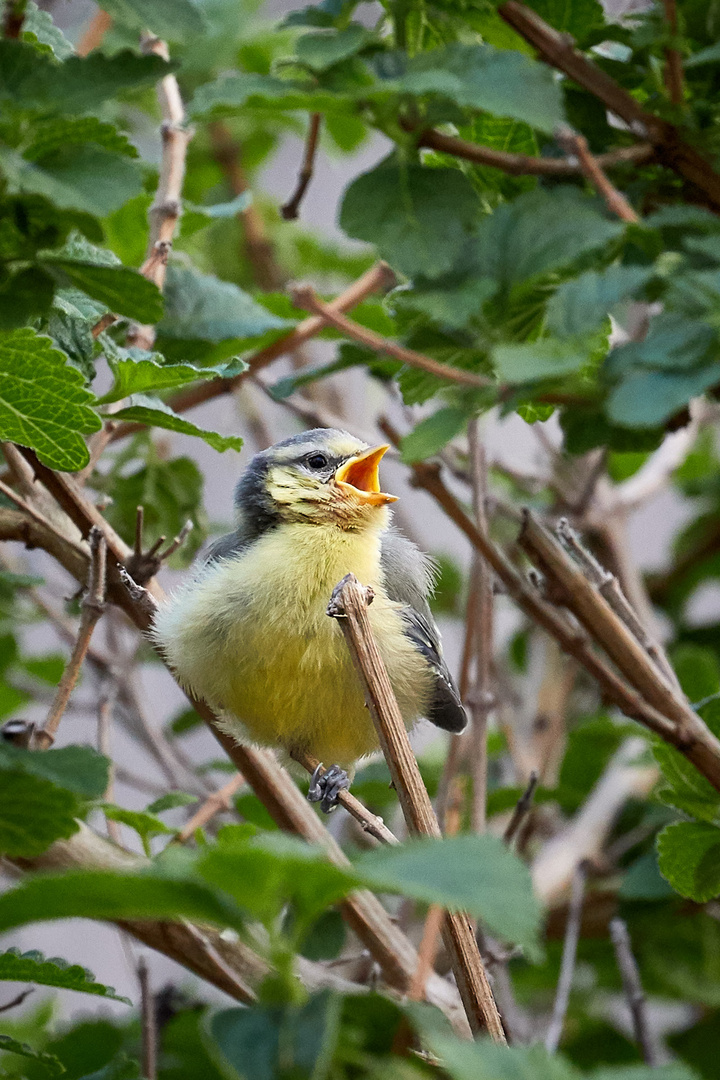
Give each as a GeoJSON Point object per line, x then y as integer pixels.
{"type": "Point", "coordinates": [349, 605]}
{"type": "Point", "coordinates": [291, 208]}
{"type": "Point", "coordinates": [148, 1022]}
{"type": "Point", "coordinates": [214, 804]}
{"type": "Point", "coordinates": [379, 278]}
{"type": "Point", "coordinates": [577, 146]}
{"type": "Point", "coordinates": [93, 606]}
{"type": "Point", "coordinates": [522, 809]}
{"type": "Point", "coordinates": [670, 146]}
{"type": "Point", "coordinates": [305, 297]}
{"type": "Point", "coordinates": [673, 58]}
{"type": "Point", "coordinates": [524, 165]}
{"type": "Point", "coordinates": [14, 1002]}
{"type": "Point", "coordinates": [482, 697]}
{"type": "Point", "coordinates": [609, 587]}
{"type": "Point", "coordinates": [569, 956]}
{"type": "Point", "coordinates": [95, 32]}
{"type": "Point", "coordinates": [105, 707]}
{"type": "Point", "coordinates": [634, 993]}
{"type": "Point", "coordinates": [144, 565]}
{"type": "Point", "coordinates": [370, 823]}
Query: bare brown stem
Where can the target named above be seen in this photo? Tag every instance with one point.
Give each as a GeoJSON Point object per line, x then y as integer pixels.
{"type": "Point", "coordinates": [522, 809]}
{"type": "Point", "coordinates": [214, 804]}
{"type": "Point", "coordinates": [92, 38]}
{"type": "Point", "coordinates": [671, 148]}
{"type": "Point", "coordinates": [569, 956]}
{"type": "Point", "coordinates": [379, 278]}
{"type": "Point", "coordinates": [369, 823]}
{"type": "Point", "coordinates": [292, 207]}
{"type": "Point", "coordinates": [148, 1022]}
{"type": "Point", "coordinates": [306, 298]}
{"type": "Point", "coordinates": [93, 606]}
{"type": "Point", "coordinates": [577, 146]}
{"type": "Point", "coordinates": [482, 697]}
{"type": "Point", "coordinates": [634, 993]}
{"type": "Point", "coordinates": [349, 604]}
{"type": "Point", "coordinates": [18, 1000]}
{"type": "Point", "coordinates": [522, 164]}
{"type": "Point", "coordinates": [673, 59]}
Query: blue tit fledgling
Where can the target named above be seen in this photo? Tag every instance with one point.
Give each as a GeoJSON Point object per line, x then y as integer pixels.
{"type": "Point", "coordinates": [249, 632]}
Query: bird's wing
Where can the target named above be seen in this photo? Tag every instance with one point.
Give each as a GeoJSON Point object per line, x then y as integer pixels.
{"type": "Point", "coordinates": [408, 580]}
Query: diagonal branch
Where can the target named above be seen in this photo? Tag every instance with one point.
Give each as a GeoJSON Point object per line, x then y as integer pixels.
{"type": "Point", "coordinates": [93, 606]}
{"type": "Point", "coordinates": [577, 146]}
{"type": "Point", "coordinates": [560, 52]}
{"type": "Point", "coordinates": [567, 966]}
{"type": "Point", "coordinates": [291, 208]}
{"type": "Point", "coordinates": [306, 298]}
{"type": "Point", "coordinates": [634, 993]}
{"type": "Point", "coordinates": [349, 604]}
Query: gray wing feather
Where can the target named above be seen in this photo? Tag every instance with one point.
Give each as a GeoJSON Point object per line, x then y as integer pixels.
{"type": "Point", "coordinates": [409, 577]}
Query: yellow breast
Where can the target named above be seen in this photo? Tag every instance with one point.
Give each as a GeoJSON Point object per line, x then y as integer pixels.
{"type": "Point", "coordinates": [251, 636]}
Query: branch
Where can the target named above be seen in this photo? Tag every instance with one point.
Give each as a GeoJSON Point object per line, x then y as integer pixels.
{"type": "Point", "coordinates": [93, 606]}
{"type": "Point", "coordinates": [18, 1000]}
{"type": "Point", "coordinates": [143, 565]}
{"type": "Point", "coordinates": [290, 210]}
{"type": "Point", "coordinates": [567, 966]}
{"type": "Point", "coordinates": [305, 297]}
{"type": "Point", "coordinates": [522, 164]}
{"type": "Point", "coordinates": [214, 804]}
{"type": "Point", "coordinates": [559, 51]}
{"type": "Point", "coordinates": [576, 145]}
{"type": "Point", "coordinates": [522, 809]}
{"type": "Point", "coordinates": [634, 993]}
{"type": "Point", "coordinates": [148, 1023]}
{"type": "Point", "coordinates": [349, 604]}
{"type": "Point", "coordinates": [371, 824]}
{"type": "Point", "coordinates": [624, 696]}
{"type": "Point", "coordinates": [380, 277]}
{"type": "Point", "coordinates": [673, 58]}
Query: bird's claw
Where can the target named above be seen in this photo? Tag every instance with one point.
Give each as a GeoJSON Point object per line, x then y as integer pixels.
{"type": "Point", "coordinates": [325, 787]}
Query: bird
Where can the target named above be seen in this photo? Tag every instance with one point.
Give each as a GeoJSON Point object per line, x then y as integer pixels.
{"type": "Point", "coordinates": [248, 631]}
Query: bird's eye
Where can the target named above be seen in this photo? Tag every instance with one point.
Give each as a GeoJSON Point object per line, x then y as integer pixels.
{"type": "Point", "coordinates": [317, 461]}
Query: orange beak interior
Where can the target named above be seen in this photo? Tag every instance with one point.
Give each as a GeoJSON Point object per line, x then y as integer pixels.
{"type": "Point", "coordinates": [359, 477]}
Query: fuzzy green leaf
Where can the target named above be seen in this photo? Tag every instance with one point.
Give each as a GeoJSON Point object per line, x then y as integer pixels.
{"type": "Point", "coordinates": [43, 402]}
{"type": "Point", "coordinates": [689, 857]}
{"type": "Point", "coordinates": [40, 25]}
{"type": "Point", "coordinates": [433, 433]}
{"type": "Point", "coordinates": [155, 413]}
{"type": "Point", "coordinates": [80, 769]}
{"type": "Point", "coordinates": [321, 50]}
{"type": "Point", "coordinates": [138, 373]}
{"type": "Point", "coordinates": [418, 218]}
{"type": "Point", "coordinates": [582, 304]}
{"type": "Point", "coordinates": [171, 801]}
{"type": "Point", "coordinates": [173, 20]}
{"type": "Point", "coordinates": [34, 813]}
{"type": "Point", "coordinates": [87, 178]}
{"type": "Point", "coordinates": [539, 360]}
{"type": "Point", "coordinates": [200, 306]}
{"type": "Point", "coordinates": [485, 1061]}
{"type": "Point", "coordinates": [49, 1062]}
{"type": "Point", "coordinates": [647, 398]}
{"type": "Point", "coordinates": [120, 289]}
{"type": "Point", "coordinates": [33, 967]}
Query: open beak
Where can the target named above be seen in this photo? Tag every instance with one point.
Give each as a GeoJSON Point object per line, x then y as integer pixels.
{"type": "Point", "coordinates": [358, 478]}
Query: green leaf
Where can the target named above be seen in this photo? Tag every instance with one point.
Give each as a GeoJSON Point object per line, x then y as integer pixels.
{"type": "Point", "coordinates": [40, 24]}
{"type": "Point", "coordinates": [122, 290]}
{"type": "Point", "coordinates": [488, 1061]}
{"type": "Point", "coordinates": [538, 232]}
{"type": "Point", "coordinates": [86, 178]}
{"type": "Point", "coordinates": [582, 304]}
{"type": "Point", "coordinates": [171, 801]}
{"type": "Point", "coordinates": [105, 895]}
{"type": "Point", "coordinates": [499, 81]}
{"type": "Point", "coordinates": [201, 306]}
{"type": "Point", "coordinates": [418, 218]}
{"type": "Point", "coordinates": [689, 857]}
{"type": "Point", "coordinates": [673, 343]}
{"type": "Point", "coordinates": [321, 50]}
{"type": "Point", "coordinates": [577, 17]}
{"type": "Point", "coordinates": [451, 301]}
{"type": "Point", "coordinates": [647, 398]}
{"type": "Point", "coordinates": [49, 1062]}
{"type": "Point", "coordinates": [24, 296]}
{"type": "Point", "coordinates": [223, 210]}
{"type": "Point", "coordinates": [230, 93]}
{"type": "Point", "coordinates": [43, 402]}
{"type": "Point", "coordinates": [145, 825]}
{"type": "Point", "coordinates": [433, 433]}
{"type": "Point", "coordinates": [539, 360]}
{"type": "Point", "coordinates": [469, 873]}
{"type": "Point", "coordinates": [80, 769]}
{"type": "Point", "coordinates": [173, 20]}
{"type": "Point", "coordinates": [155, 413]}
{"type": "Point", "coordinates": [30, 79]}
{"type": "Point", "coordinates": [55, 132]}
{"type": "Point", "coordinates": [34, 813]}
{"type": "Point", "coordinates": [136, 372]}
{"type": "Point", "coordinates": [33, 967]}
{"type": "Point", "coordinates": [272, 1042]}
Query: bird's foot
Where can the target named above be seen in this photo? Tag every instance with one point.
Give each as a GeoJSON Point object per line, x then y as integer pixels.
{"type": "Point", "coordinates": [325, 787]}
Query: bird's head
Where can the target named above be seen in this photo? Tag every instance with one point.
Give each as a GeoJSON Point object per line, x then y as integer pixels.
{"type": "Point", "coordinates": [322, 477]}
